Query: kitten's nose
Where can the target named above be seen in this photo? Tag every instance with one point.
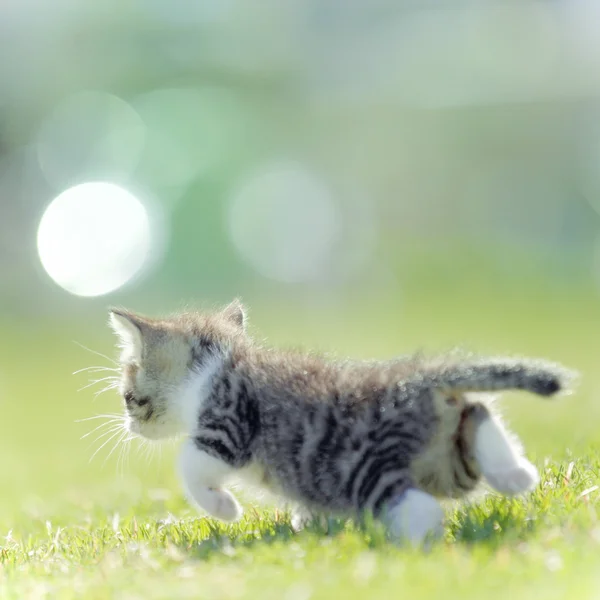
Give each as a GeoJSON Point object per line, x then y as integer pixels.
{"type": "Point", "coordinates": [131, 400]}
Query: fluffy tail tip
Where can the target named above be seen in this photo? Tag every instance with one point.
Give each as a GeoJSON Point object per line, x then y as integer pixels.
{"type": "Point", "coordinates": [551, 380]}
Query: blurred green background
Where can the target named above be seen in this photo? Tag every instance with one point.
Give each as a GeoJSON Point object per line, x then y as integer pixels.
{"type": "Point", "coordinates": [371, 178]}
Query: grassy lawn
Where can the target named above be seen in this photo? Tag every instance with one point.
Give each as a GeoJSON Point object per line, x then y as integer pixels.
{"type": "Point", "coordinates": [120, 527]}
{"type": "Point", "coordinates": [548, 545]}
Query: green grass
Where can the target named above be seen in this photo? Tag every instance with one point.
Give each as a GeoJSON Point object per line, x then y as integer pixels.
{"type": "Point", "coordinates": [547, 544]}
{"type": "Point", "coordinates": [74, 529]}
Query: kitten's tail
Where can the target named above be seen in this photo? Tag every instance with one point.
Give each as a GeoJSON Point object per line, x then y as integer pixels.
{"type": "Point", "coordinates": [539, 377]}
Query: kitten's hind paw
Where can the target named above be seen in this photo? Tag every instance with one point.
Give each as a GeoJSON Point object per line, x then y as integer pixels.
{"type": "Point", "coordinates": [302, 518]}
{"type": "Point", "coordinates": [416, 518]}
{"type": "Point", "coordinates": [515, 479]}
{"type": "Point", "coordinates": [299, 519]}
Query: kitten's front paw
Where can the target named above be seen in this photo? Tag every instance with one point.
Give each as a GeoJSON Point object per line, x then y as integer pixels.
{"type": "Point", "coordinates": [513, 480]}
{"type": "Point", "coordinates": [223, 506]}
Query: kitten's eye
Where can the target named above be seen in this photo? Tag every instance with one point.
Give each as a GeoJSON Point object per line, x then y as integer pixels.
{"type": "Point", "coordinates": [128, 396]}
{"type": "Point", "coordinates": [143, 401]}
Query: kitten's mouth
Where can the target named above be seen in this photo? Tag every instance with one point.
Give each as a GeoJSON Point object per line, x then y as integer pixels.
{"type": "Point", "coordinates": [150, 430]}
{"type": "Point", "coordinates": [132, 426]}
{"type": "Point", "coordinates": [138, 429]}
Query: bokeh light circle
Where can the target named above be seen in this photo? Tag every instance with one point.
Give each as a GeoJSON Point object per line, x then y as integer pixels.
{"type": "Point", "coordinates": [90, 136]}
{"type": "Point", "coordinates": [94, 238]}
{"type": "Point", "coordinates": [284, 222]}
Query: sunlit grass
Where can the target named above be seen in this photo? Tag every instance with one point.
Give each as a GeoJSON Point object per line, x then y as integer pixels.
{"type": "Point", "coordinates": [545, 544]}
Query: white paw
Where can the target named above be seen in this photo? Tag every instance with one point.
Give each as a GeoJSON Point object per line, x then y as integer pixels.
{"type": "Point", "coordinates": [301, 517]}
{"type": "Point", "coordinates": [416, 517]}
{"type": "Point", "coordinates": [515, 479]}
{"type": "Point", "coordinates": [222, 505]}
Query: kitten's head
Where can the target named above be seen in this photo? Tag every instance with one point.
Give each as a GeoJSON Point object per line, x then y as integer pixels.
{"type": "Point", "coordinates": [158, 356]}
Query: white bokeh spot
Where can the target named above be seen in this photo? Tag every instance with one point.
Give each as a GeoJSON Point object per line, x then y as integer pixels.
{"type": "Point", "coordinates": [283, 221]}
{"type": "Point", "coordinates": [94, 238]}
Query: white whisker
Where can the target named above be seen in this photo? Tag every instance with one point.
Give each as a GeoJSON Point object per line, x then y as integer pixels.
{"type": "Point", "coordinates": [108, 416]}
{"type": "Point", "coordinates": [104, 444]}
{"type": "Point", "coordinates": [139, 447]}
{"type": "Point", "coordinates": [105, 424]}
{"type": "Point", "coordinates": [114, 362]}
{"type": "Point", "coordinates": [125, 446]}
{"type": "Point", "coordinates": [95, 381]}
{"type": "Point", "coordinates": [142, 446]}
{"type": "Point", "coordinates": [103, 434]}
{"type": "Point", "coordinates": [125, 449]}
{"type": "Point", "coordinates": [148, 454]}
{"type": "Point", "coordinates": [96, 369]}
{"type": "Point", "coordinates": [109, 387]}
{"type": "Point", "coordinates": [117, 444]}
{"type": "Point", "coordinates": [127, 459]}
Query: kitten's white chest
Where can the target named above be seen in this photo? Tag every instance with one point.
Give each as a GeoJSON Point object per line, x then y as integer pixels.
{"type": "Point", "coordinates": [188, 400]}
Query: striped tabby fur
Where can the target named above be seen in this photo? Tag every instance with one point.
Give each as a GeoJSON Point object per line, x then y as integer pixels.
{"type": "Point", "coordinates": [340, 437]}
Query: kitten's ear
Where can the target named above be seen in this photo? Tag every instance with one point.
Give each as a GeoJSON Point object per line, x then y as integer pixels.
{"type": "Point", "coordinates": [129, 328]}
{"type": "Point", "coordinates": [236, 313]}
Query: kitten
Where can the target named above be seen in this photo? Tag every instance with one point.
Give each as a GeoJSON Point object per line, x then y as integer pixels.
{"type": "Point", "coordinates": [342, 438]}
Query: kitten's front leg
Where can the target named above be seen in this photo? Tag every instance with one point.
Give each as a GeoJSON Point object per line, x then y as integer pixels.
{"type": "Point", "coordinates": [203, 476]}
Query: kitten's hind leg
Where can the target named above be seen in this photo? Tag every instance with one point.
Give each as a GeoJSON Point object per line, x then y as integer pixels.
{"type": "Point", "coordinates": [415, 516]}
{"type": "Point", "coordinates": [203, 476]}
{"type": "Point", "coordinates": [500, 459]}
